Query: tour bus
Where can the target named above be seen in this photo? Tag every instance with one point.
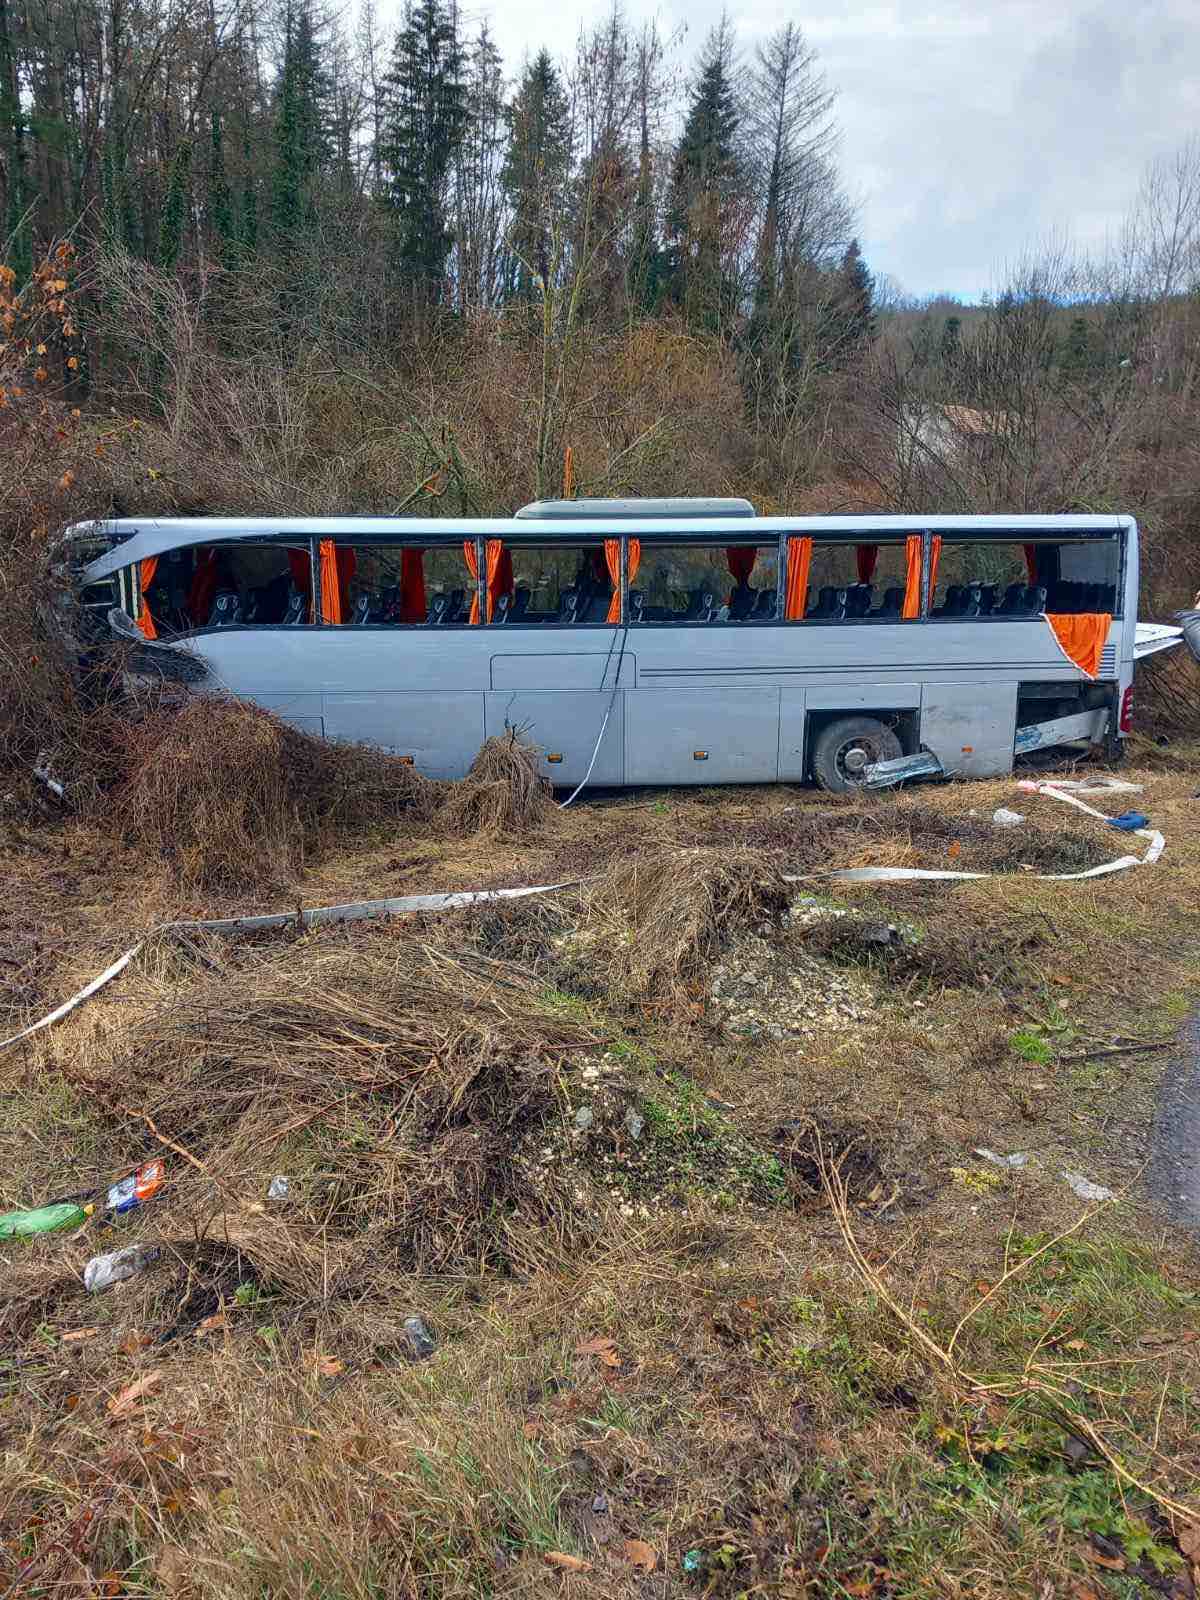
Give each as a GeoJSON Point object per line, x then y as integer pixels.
{"type": "Point", "coordinates": [644, 641]}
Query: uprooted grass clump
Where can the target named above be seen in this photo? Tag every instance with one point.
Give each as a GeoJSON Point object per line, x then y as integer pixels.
{"type": "Point", "coordinates": [503, 794]}
{"type": "Point", "coordinates": [396, 1083]}
{"type": "Point", "coordinates": [225, 794]}
{"type": "Point", "coordinates": [978, 948]}
{"type": "Point", "coordinates": [655, 922]}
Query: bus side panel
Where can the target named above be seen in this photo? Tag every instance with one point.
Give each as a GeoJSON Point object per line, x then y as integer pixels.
{"type": "Point", "coordinates": [441, 732]}
{"type": "Point", "coordinates": [565, 724]}
{"type": "Point", "coordinates": [970, 727]}
{"type": "Point", "coordinates": [693, 735]}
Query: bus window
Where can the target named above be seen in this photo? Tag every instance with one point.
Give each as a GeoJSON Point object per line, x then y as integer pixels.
{"type": "Point", "coordinates": [557, 584]}
{"type": "Point", "coordinates": [837, 581]}
{"type": "Point", "coordinates": [221, 586]}
{"type": "Point", "coordinates": [705, 583]}
{"type": "Point", "coordinates": [1081, 576]}
{"type": "Point", "coordinates": [393, 584]}
{"type": "Point", "coordinates": [974, 579]}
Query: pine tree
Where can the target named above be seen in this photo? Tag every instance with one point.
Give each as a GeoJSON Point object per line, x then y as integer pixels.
{"type": "Point", "coordinates": [425, 121]}
{"type": "Point", "coordinates": [855, 310]}
{"type": "Point", "coordinates": [535, 171]}
{"type": "Point", "coordinates": [220, 200]}
{"type": "Point", "coordinates": [18, 196]}
{"type": "Point", "coordinates": [1076, 358]}
{"type": "Point", "coordinates": [705, 175]}
{"type": "Point", "coordinates": [174, 208]}
{"type": "Point", "coordinates": [302, 143]}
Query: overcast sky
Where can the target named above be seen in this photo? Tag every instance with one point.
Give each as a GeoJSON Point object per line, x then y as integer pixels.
{"type": "Point", "coordinates": [969, 130]}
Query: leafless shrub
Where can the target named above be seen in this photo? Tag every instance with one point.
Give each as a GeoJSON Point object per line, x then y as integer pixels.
{"type": "Point", "coordinates": [503, 794]}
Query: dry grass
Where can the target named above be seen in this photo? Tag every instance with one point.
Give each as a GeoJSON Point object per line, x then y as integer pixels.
{"type": "Point", "coordinates": [758, 1403]}
{"type": "Point", "coordinates": [227, 796]}
{"type": "Point", "coordinates": [656, 921]}
{"type": "Point", "coordinates": [502, 796]}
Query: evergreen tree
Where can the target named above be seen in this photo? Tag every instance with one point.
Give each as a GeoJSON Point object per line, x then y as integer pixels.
{"type": "Point", "coordinates": [174, 208]}
{"type": "Point", "coordinates": [301, 135]}
{"type": "Point", "coordinates": [424, 125]}
{"type": "Point", "coordinates": [855, 307]}
{"type": "Point", "coordinates": [535, 171]}
{"type": "Point", "coordinates": [220, 201]}
{"type": "Point", "coordinates": [18, 196]}
{"type": "Point", "coordinates": [705, 175]}
{"type": "Point", "coordinates": [1076, 357]}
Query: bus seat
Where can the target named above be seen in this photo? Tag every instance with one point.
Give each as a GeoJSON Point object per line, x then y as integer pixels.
{"type": "Point", "coordinates": [296, 609]}
{"type": "Point", "coordinates": [858, 599]}
{"type": "Point", "coordinates": [891, 604]}
{"type": "Point", "coordinates": [637, 605]}
{"type": "Point", "coordinates": [436, 611]}
{"type": "Point", "coordinates": [226, 609]}
{"type": "Point", "coordinates": [595, 608]}
{"type": "Point", "coordinates": [764, 606]}
{"type": "Point", "coordinates": [987, 598]}
{"type": "Point", "coordinates": [1013, 599]}
{"type": "Point", "coordinates": [502, 610]}
{"type": "Point", "coordinates": [362, 611]}
{"type": "Point", "coordinates": [831, 604]}
{"type": "Point", "coordinates": [569, 605]}
{"type": "Point", "coordinates": [1035, 600]}
{"type": "Point", "coordinates": [742, 602]}
{"type": "Point", "coordinates": [456, 606]}
{"type": "Point", "coordinates": [520, 604]}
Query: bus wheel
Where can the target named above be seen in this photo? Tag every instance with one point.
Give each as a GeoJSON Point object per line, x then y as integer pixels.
{"type": "Point", "coordinates": [845, 748]}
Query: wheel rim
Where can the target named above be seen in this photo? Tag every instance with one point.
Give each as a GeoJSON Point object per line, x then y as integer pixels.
{"type": "Point", "coordinates": [852, 758]}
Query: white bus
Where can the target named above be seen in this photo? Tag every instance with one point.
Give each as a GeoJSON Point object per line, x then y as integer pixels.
{"type": "Point", "coordinates": [645, 641]}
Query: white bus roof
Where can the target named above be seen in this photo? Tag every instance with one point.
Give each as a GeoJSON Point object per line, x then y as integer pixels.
{"type": "Point", "coordinates": [141, 537]}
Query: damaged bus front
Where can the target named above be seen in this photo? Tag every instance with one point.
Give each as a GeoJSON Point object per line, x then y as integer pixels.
{"type": "Point", "coordinates": [644, 641]}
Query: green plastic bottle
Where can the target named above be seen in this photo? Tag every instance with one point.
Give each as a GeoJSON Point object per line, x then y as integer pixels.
{"type": "Point", "coordinates": [46, 1219]}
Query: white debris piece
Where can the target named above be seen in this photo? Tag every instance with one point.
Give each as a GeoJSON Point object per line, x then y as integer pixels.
{"type": "Point", "coordinates": [1004, 818]}
{"type": "Point", "coordinates": [1086, 1189]}
{"type": "Point", "coordinates": [1019, 1158]}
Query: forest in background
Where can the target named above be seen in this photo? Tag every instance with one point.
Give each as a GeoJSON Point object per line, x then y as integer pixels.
{"type": "Point", "coordinates": [282, 260]}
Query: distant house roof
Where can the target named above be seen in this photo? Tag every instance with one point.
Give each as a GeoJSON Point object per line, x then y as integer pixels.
{"type": "Point", "coordinates": [963, 419]}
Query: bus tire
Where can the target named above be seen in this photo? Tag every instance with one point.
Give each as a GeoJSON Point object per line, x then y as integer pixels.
{"type": "Point", "coordinates": [836, 759]}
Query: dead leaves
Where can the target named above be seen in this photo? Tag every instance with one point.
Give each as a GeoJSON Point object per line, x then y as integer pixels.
{"type": "Point", "coordinates": [565, 1562]}
{"type": "Point", "coordinates": [641, 1555]}
{"type": "Point", "coordinates": [124, 1403]}
{"type": "Point", "coordinates": [605, 1350]}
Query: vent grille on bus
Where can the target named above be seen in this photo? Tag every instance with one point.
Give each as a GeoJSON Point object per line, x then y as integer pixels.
{"type": "Point", "coordinates": [1108, 661]}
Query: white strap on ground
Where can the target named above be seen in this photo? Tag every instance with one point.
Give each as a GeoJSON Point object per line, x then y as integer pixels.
{"type": "Point", "coordinates": [359, 910]}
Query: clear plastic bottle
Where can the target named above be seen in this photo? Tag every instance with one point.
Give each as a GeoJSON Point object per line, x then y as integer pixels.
{"type": "Point", "coordinates": [102, 1272]}
{"type": "Point", "coordinates": [137, 1187]}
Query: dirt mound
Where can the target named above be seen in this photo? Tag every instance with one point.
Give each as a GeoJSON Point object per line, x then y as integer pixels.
{"type": "Point", "coordinates": [228, 795]}
{"type": "Point", "coordinates": [655, 923]}
{"type": "Point", "coordinates": [502, 794]}
{"type": "Point", "coordinates": [397, 1084]}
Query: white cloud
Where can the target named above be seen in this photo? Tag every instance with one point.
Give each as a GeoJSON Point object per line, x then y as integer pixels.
{"type": "Point", "coordinates": [970, 130]}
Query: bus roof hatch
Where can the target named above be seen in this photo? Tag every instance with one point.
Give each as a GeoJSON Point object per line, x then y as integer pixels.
{"type": "Point", "coordinates": [557, 510]}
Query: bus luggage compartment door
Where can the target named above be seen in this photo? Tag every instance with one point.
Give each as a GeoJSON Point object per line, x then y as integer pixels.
{"type": "Point", "coordinates": [564, 724]}
{"type": "Point", "coordinates": [702, 735]}
{"type": "Point", "coordinates": [970, 727]}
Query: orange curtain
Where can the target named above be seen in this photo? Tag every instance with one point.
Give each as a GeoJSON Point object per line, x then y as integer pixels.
{"type": "Point", "coordinates": [935, 555]}
{"type": "Point", "coordinates": [798, 563]}
{"type": "Point", "coordinates": [337, 568]}
{"type": "Point", "coordinates": [472, 561]}
{"type": "Point", "coordinates": [912, 584]}
{"type": "Point", "coordinates": [866, 556]}
{"type": "Point", "coordinates": [1031, 561]}
{"type": "Point", "coordinates": [612, 559]}
{"type": "Point", "coordinates": [1082, 637]}
{"type": "Point", "coordinates": [202, 587]}
{"type": "Point", "coordinates": [412, 586]}
{"type": "Point", "coordinates": [146, 570]}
